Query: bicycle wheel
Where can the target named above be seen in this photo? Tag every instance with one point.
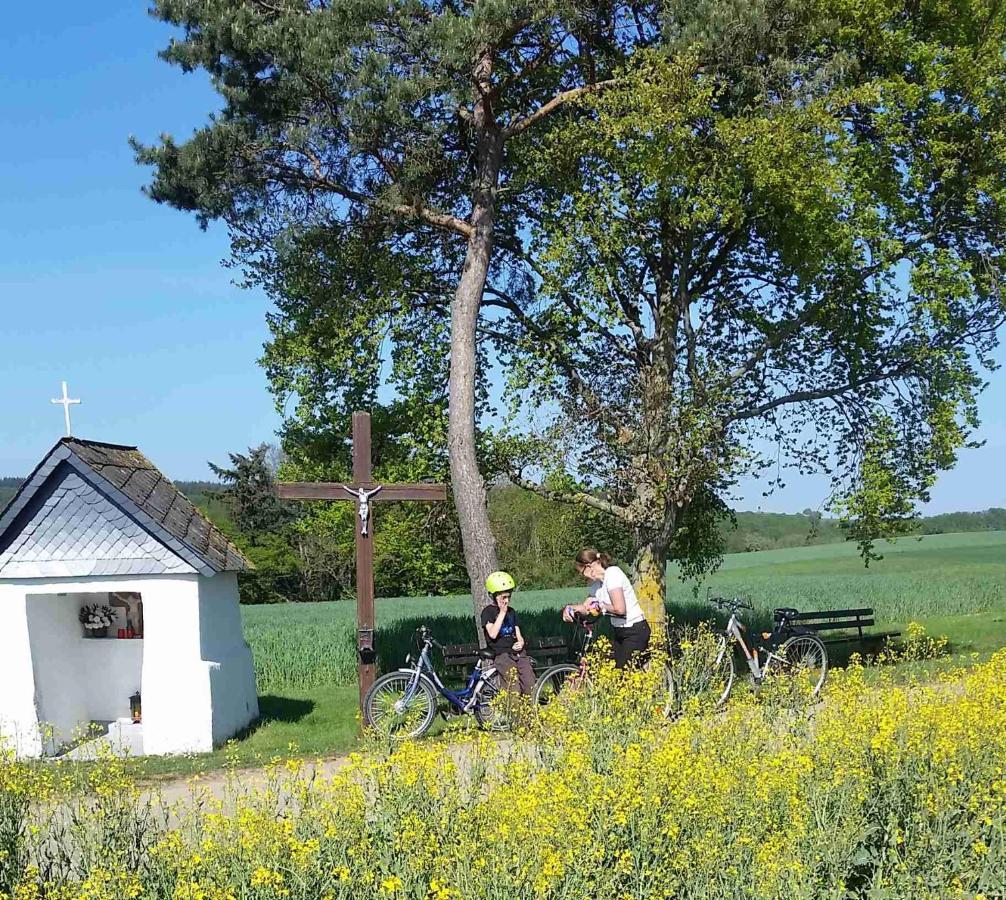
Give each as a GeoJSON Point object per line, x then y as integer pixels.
{"type": "Point", "coordinates": [705, 672]}
{"type": "Point", "coordinates": [805, 657]}
{"type": "Point", "coordinates": [495, 709]}
{"type": "Point", "coordinates": [551, 682]}
{"type": "Point", "coordinates": [395, 708]}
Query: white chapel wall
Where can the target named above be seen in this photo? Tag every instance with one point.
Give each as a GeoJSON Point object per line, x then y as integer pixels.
{"type": "Point", "coordinates": [18, 725]}
{"type": "Point", "coordinates": [113, 671]}
{"type": "Point", "coordinates": [228, 656]}
{"type": "Point", "coordinates": [61, 685]}
{"type": "Point", "coordinates": [177, 713]}
{"type": "Point", "coordinates": [175, 683]}
{"type": "Point", "coordinates": [78, 680]}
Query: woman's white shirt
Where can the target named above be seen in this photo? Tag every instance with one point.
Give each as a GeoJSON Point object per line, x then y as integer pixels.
{"type": "Point", "coordinates": [614, 577]}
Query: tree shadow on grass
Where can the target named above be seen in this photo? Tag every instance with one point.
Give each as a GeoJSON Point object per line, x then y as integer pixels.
{"type": "Point", "coordinates": [397, 639]}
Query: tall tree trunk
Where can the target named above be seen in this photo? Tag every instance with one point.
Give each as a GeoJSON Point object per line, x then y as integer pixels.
{"type": "Point", "coordinates": [650, 567]}
{"type": "Point", "coordinates": [466, 480]}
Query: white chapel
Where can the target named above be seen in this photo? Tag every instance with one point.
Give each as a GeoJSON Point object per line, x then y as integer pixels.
{"type": "Point", "coordinates": [119, 604]}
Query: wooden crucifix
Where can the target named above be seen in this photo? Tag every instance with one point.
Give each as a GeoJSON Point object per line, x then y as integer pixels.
{"type": "Point", "coordinates": [364, 491]}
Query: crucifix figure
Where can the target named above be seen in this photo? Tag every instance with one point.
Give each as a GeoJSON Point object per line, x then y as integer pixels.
{"type": "Point", "coordinates": [364, 491]}
{"type": "Point", "coordinates": [66, 403]}
{"type": "Point", "coordinates": [362, 504]}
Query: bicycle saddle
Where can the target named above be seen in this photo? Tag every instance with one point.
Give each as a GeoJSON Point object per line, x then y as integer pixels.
{"type": "Point", "coordinates": [784, 612]}
{"type": "Point", "coordinates": [486, 653]}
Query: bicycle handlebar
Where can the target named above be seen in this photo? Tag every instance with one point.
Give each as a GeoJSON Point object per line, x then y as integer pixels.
{"type": "Point", "coordinates": [427, 636]}
{"type": "Point", "coordinates": [732, 604]}
{"type": "Point", "coordinates": [582, 620]}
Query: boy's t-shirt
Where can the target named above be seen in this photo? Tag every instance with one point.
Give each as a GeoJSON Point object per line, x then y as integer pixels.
{"type": "Point", "coordinates": [507, 637]}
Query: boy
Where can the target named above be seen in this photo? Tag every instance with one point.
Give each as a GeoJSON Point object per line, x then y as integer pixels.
{"type": "Point", "coordinates": [503, 634]}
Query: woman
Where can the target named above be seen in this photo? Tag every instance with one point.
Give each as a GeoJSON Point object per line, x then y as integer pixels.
{"type": "Point", "coordinates": [612, 592]}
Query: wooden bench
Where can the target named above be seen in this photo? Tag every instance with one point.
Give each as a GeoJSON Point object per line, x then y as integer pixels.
{"type": "Point", "coordinates": [840, 620]}
{"type": "Point", "coordinates": [544, 651]}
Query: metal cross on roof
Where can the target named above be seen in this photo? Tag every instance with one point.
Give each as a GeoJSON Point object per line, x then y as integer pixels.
{"type": "Point", "coordinates": [66, 403]}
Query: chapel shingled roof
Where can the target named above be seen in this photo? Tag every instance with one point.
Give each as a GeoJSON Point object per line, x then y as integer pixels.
{"type": "Point", "coordinates": [142, 492]}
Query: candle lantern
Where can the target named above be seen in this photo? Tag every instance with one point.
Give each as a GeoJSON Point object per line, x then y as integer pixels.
{"type": "Point", "coordinates": [134, 707]}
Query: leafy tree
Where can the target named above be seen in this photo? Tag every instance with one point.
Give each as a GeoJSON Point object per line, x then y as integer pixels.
{"type": "Point", "coordinates": [369, 142]}
{"type": "Point", "coordinates": [538, 538]}
{"type": "Point", "coordinates": [778, 244]}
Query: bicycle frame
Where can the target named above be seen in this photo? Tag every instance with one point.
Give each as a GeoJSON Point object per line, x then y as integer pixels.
{"type": "Point", "coordinates": [735, 630]}
{"type": "Point", "coordinates": [464, 700]}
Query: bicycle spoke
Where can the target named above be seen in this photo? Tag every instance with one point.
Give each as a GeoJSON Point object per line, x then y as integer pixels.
{"type": "Point", "coordinates": [700, 669]}
{"type": "Point", "coordinates": [496, 706]}
{"type": "Point", "coordinates": [557, 682]}
{"type": "Point", "coordinates": [804, 659]}
{"type": "Point", "coordinates": [393, 707]}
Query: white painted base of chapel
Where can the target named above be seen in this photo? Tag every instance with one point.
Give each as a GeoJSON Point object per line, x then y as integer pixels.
{"type": "Point", "coordinates": [192, 668]}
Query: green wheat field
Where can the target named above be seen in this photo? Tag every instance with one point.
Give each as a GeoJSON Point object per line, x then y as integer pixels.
{"type": "Point", "coordinates": [938, 577]}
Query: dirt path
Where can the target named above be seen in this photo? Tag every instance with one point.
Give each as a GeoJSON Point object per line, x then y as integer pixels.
{"type": "Point", "coordinates": [197, 789]}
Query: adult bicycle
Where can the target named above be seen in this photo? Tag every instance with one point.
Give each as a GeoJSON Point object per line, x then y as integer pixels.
{"type": "Point", "coordinates": [786, 650]}
{"type": "Point", "coordinates": [404, 703]}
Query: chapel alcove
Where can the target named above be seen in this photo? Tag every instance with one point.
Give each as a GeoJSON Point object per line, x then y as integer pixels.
{"type": "Point", "coordinates": [81, 680]}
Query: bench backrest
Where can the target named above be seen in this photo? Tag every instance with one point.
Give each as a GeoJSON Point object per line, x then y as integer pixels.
{"type": "Point", "coordinates": [822, 620]}
{"type": "Point", "coordinates": [544, 648]}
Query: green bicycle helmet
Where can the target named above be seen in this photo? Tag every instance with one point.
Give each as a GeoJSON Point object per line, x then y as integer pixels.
{"type": "Point", "coordinates": [499, 581]}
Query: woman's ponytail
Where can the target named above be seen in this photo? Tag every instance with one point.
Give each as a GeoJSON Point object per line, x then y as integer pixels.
{"type": "Point", "coordinates": [590, 555]}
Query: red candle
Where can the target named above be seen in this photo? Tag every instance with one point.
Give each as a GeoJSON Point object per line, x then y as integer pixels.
{"type": "Point", "coordinates": [122, 632]}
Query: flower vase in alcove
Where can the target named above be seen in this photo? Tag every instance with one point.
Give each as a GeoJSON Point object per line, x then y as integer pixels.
{"type": "Point", "coordinates": [96, 619]}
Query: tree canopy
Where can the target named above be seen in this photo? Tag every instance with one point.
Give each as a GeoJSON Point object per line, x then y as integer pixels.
{"type": "Point", "coordinates": [697, 241]}
{"type": "Point", "coordinates": [785, 252]}
{"type": "Point", "coordinates": [379, 133]}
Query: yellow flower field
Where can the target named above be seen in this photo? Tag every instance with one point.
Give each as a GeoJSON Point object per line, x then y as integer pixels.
{"type": "Point", "coordinates": [882, 790]}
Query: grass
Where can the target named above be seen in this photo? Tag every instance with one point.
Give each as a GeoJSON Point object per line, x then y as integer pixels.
{"type": "Point", "coordinates": [314, 722]}
{"type": "Point", "coordinates": [306, 664]}
{"type": "Point", "coordinates": [932, 577]}
{"type": "Point", "coordinates": [312, 645]}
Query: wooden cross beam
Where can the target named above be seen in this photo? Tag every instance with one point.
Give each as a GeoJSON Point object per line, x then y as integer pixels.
{"type": "Point", "coordinates": [364, 491]}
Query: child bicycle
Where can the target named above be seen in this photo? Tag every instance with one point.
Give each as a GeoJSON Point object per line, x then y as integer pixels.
{"type": "Point", "coordinates": [786, 650]}
{"type": "Point", "coordinates": [404, 703]}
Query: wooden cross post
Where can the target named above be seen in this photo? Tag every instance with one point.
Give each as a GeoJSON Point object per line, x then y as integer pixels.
{"type": "Point", "coordinates": [363, 491]}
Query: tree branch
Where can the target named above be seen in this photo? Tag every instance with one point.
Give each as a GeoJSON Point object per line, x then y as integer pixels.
{"type": "Point", "coordinates": [416, 210]}
{"type": "Point", "coordinates": [558, 100]}
{"type": "Point", "coordinates": [821, 394]}
{"type": "Point", "coordinates": [785, 330]}
{"type": "Point", "coordinates": [578, 498]}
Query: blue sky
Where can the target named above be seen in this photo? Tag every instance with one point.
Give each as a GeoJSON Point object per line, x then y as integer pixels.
{"type": "Point", "coordinates": [128, 301]}
{"type": "Point", "coordinates": [125, 299]}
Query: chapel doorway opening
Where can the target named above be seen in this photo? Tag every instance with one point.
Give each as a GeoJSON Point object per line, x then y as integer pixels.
{"type": "Point", "coordinates": [84, 678]}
